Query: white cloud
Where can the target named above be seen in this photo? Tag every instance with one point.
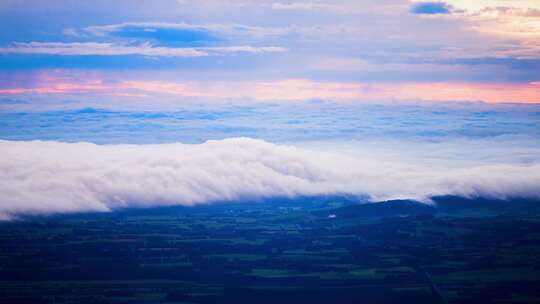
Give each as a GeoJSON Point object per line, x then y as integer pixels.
{"type": "Point", "coordinates": [226, 29]}
{"type": "Point", "coordinates": [511, 29]}
{"type": "Point", "coordinates": [48, 177]}
{"type": "Point", "coordinates": [483, 4]}
{"type": "Point", "coordinates": [146, 49]}
{"type": "Point", "coordinates": [306, 6]}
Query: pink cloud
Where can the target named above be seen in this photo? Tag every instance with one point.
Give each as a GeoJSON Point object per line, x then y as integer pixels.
{"type": "Point", "coordinates": [444, 91]}
{"type": "Point", "coordinates": [286, 89]}
{"type": "Point", "coordinates": [60, 88]}
{"type": "Point", "coordinates": [301, 89]}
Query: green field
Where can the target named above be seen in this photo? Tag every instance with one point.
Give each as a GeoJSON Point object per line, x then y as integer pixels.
{"type": "Point", "coordinates": [289, 252]}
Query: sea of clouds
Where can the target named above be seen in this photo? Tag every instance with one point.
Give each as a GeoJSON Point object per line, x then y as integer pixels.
{"type": "Point", "coordinates": [96, 159]}
{"type": "Point", "coordinates": [43, 177]}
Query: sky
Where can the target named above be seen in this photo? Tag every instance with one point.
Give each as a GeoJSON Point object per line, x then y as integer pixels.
{"type": "Point", "coordinates": [113, 104]}
{"type": "Point", "coordinates": [486, 50]}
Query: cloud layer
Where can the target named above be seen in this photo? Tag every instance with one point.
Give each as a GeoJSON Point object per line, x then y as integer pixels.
{"type": "Point", "coordinates": [39, 177]}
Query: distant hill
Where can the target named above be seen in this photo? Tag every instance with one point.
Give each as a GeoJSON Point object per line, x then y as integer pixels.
{"type": "Point", "coordinates": [444, 205]}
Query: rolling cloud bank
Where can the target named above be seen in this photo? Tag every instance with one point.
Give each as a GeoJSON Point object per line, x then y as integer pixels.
{"type": "Point", "coordinates": [42, 177]}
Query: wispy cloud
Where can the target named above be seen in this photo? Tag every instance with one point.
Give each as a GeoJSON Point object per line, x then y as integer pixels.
{"type": "Point", "coordinates": [309, 6]}
{"type": "Point", "coordinates": [223, 29]}
{"type": "Point", "coordinates": [110, 49]}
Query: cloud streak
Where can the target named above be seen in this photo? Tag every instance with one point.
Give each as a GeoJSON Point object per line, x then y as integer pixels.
{"type": "Point", "coordinates": [145, 49]}
{"type": "Point", "coordinates": [229, 30]}
{"type": "Point", "coordinates": [39, 177]}
{"type": "Point", "coordinates": [306, 6]}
